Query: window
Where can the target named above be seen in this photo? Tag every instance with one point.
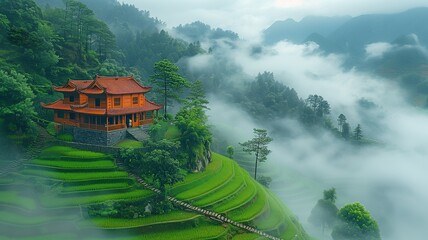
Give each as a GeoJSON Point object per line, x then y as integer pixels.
{"type": "Point", "coordinates": [102, 120]}
{"type": "Point", "coordinates": [117, 102]}
{"type": "Point", "coordinates": [110, 120]}
{"type": "Point", "coordinates": [98, 102]}
{"type": "Point", "coordinates": [135, 117]}
{"type": "Point", "coordinates": [135, 100]}
{"type": "Point", "coordinates": [72, 116]}
{"type": "Point", "coordinates": [71, 98]}
{"type": "Point", "coordinates": [149, 115]}
{"type": "Point", "coordinates": [60, 114]}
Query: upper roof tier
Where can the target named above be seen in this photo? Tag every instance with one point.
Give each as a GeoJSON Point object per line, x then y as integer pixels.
{"type": "Point", "coordinates": [102, 84]}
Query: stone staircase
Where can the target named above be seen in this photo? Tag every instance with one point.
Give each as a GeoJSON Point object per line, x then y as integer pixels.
{"type": "Point", "coordinates": [139, 133]}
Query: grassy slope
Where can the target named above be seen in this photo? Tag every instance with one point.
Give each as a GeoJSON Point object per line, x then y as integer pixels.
{"type": "Point", "coordinates": [72, 178]}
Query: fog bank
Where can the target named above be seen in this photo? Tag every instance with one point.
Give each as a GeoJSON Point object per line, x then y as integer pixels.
{"type": "Point", "coordinates": [388, 177]}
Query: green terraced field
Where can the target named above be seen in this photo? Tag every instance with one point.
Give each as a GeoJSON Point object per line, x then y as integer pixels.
{"type": "Point", "coordinates": [69, 178]}
{"type": "Point", "coordinates": [74, 176]}
{"type": "Point", "coordinates": [15, 218]}
{"type": "Point", "coordinates": [252, 209]}
{"type": "Point", "coordinates": [74, 164]}
{"type": "Point", "coordinates": [241, 198]}
{"type": "Point", "coordinates": [15, 198]}
{"type": "Point", "coordinates": [232, 187]}
{"type": "Point", "coordinates": [246, 236]}
{"type": "Point", "coordinates": [200, 232]}
{"type": "Point", "coordinates": [49, 201]}
{"type": "Point", "coordinates": [173, 217]}
{"type": "Point", "coordinates": [96, 187]}
{"type": "Point", "coordinates": [210, 183]}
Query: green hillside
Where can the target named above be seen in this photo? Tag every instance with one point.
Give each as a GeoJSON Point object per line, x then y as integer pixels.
{"type": "Point", "coordinates": [49, 198]}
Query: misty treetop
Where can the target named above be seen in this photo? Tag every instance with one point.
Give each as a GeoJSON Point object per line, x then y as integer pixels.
{"type": "Point", "coordinates": [324, 214]}
{"type": "Point", "coordinates": [199, 31]}
{"type": "Point", "coordinates": [258, 147]}
{"type": "Point", "coordinates": [355, 223]}
{"type": "Point", "coordinates": [168, 82]}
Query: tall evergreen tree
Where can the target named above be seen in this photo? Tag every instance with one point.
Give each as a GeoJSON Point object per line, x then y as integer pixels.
{"type": "Point", "coordinates": [169, 83]}
{"type": "Point", "coordinates": [358, 133]}
{"type": "Point", "coordinates": [258, 146]}
{"type": "Point", "coordinates": [346, 131]}
{"type": "Point", "coordinates": [197, 96]}
{"type": "Point", "coordinates": [340, 121]}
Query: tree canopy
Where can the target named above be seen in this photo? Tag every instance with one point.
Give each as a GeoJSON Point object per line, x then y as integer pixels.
{"type": "Point", "coordinates": [324, 214]}
{"type": "Point", "coordinates": [16, 101]}
{"type": "Point", "coordinates": [258, 146]}
{"type": "Point", "coordinates": [355, 223]}
{"type": "Point", "coordinates": [168, 82]}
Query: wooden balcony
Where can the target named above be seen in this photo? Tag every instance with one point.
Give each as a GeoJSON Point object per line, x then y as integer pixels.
{"type": "Point", "coordinates": [102, 127]}
{"type": "Point", "coordinates": [145, 121]}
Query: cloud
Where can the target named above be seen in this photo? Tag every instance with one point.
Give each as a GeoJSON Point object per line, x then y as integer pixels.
{"type": "Point", "coordinates": [389, 178]}
{"type": "Point", "coordinates": [377, 50]}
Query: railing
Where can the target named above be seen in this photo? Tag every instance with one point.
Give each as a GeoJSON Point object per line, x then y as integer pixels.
{"type": "Point", "coordinates": [145, 121]}
{"type": "Point", "coordinates": [93, 126]}
{"type": "Point", "coordinates": [102, 127]}
{"type": "Point", "coordinates": [115, 127]}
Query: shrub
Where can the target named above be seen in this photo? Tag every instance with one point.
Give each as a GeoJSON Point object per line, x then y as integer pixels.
{"type": "Point", "coordinates": [51, 129]}
{"type": "Point", "coordinates": [65, 137]}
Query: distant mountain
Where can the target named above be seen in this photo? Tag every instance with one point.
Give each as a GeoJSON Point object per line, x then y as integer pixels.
{"type": "Point", "coordinates": [356, 33]}
{"type": "Point", "coordinates": [297, 32]}
{"type": "Point", "coordinates": [351, 35]}
{"type": "Point", "coordinates": [390, 45]}
{"type": "Point", "coordinates": [323, 43]}
{"type": "Point", "coordinates": [404, 56]}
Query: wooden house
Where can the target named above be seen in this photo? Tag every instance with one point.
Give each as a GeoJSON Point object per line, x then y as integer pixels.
{"type": "Point", "coordinates": [106, 104]}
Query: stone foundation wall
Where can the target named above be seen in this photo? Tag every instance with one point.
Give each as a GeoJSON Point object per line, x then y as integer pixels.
{"type": "Point", "coordinates": [98, 137]}
{"type": "Point", "coordinates": [114, 137]}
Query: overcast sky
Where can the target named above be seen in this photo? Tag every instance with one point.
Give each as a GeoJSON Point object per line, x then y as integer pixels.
{"type": "Point", "coordinates": [247, 17]}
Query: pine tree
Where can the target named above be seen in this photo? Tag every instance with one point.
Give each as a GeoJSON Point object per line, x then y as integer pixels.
{"type": "Point", "coordinates": [258, 146]}
{"type": "Point", "coordinates": [358, 133]}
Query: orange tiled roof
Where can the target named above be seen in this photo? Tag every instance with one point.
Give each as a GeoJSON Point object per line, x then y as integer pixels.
{"type": "Point", "coordinates": [81, 84]}
{"type": "Point", "coordinates": [101, 84]}
{"type": "Point", "coordinates": [73, 85]}
{"type": "Point", "coordinates": [95, 91]}
{"type": "Point", "coordinates": [148, 106]}
{"type": "Point", "coordinates": [58, 105]}
{"type": "Point", "coordinates": [121, 85]}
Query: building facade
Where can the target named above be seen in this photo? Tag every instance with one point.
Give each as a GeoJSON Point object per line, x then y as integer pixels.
{"type": "Point", "coordinates": [103, 108]}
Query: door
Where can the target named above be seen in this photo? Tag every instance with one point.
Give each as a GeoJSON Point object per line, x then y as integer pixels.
{"type": "Point", "coordinates": [129, 120]}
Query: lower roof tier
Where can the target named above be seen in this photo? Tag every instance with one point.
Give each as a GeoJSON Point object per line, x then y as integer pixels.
{"type": "Point", "coordinates": [59, 105]}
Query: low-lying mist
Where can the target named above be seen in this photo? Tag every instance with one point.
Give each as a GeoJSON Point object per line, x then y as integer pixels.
{"type": "Point", "coordinates": [388, 177]}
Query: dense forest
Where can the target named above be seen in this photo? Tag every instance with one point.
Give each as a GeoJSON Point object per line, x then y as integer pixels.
{"type": "Point", "coordinates": [54, 41]}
